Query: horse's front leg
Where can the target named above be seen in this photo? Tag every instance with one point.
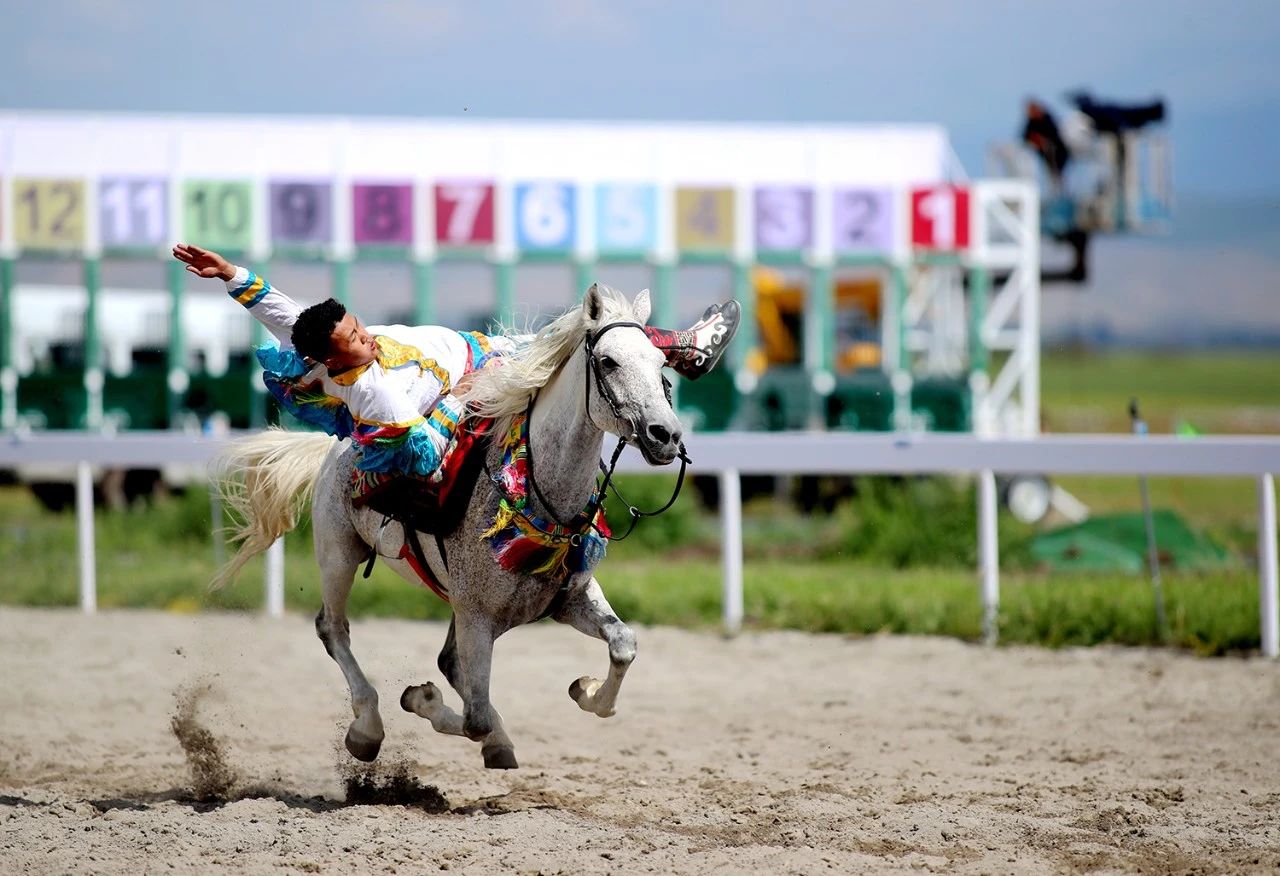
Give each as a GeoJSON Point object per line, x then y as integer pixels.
{"type": "Point", "coordinates": [589, 612]}
{"type": "Point", "coordinates": [427, 701]}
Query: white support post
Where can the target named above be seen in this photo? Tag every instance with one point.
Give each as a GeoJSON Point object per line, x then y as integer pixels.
{"type": "Point", "coordinates": [988, 554]}
{"type": "Point", "coordinates": [275, 579]}
{"type": "Point", "coordinates": [84, 538]}
{"type": "Point", "coordinates": [1268, 576]}
{"type": "Point", "coordinates": [731, 548]}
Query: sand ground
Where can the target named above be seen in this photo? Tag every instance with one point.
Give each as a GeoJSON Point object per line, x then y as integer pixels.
{"type": "Point", "coordinates": [773, 752]}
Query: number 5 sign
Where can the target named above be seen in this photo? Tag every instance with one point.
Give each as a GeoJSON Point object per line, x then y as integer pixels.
{"type": "Point", "coordinates": [940, 218]}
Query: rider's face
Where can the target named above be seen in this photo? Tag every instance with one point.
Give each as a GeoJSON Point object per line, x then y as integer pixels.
{"type": "Point", "coordinates": [350, 345]}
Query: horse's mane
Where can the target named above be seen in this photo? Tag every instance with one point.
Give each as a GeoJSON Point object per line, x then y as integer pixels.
{"type": "Point", "coordinates": [505, 388]}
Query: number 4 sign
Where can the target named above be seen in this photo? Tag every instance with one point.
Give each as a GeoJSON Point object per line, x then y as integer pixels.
{"type": "Point", "coordinates": [940, 218]}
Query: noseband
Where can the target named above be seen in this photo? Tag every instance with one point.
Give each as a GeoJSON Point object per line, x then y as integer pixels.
{"type": "Point", "coordinates": [602, 386]}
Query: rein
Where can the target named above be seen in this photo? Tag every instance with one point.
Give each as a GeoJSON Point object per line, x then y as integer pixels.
{"type": "Point", "coordinates": [602, 385]}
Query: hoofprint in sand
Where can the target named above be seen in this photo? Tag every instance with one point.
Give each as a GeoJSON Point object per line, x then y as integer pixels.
{"type": "Point", "coordinates": [774, 752]}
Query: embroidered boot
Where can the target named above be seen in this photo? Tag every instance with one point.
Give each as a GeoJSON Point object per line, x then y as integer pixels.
{"type": "Point", "coordinates": [695, 351]}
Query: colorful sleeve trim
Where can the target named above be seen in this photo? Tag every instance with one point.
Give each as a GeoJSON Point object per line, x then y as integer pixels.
{"type": "Point", "coordinates": [251, 291]}
{"type": "Point", "coordinates": [310, 404]}
{"type": "Point", "coordinates": [397, 450]}
{"type": "Point", "coordinates": [479, 350]}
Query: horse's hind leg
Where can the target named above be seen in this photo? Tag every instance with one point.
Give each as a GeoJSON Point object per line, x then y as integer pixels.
{"type": "Point", "coordinates": [588, 611]}
{"type": "Point", "coordinates": [338, 564]}
{"type": "Point", "coordinates": [427, 701]}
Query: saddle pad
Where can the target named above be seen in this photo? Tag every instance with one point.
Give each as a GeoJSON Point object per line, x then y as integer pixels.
{"type": "Point", "coordinates": [433, 504]}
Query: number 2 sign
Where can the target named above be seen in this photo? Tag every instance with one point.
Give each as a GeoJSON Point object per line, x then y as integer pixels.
{"type": "Point", "coordinates": [940, 218]}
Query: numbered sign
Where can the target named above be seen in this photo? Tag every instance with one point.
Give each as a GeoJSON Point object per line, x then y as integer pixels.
{"type": "Point", "coordinates": [464, 213]}
{"type": "Point", "coordinates": [301, 213]}
{"type": "Point", "coordinates": [546, 216]}
{"type": "Point", "coordinates": [133, 213]}
{"type": "Point", "coordinates": [218, 214]}
{"type": "Point", "coordinates": [49, 213]}
{"type": "Point", "coordinates": [940, 218]}
{"type": "Point", "coordinates": [626, 218]}
{"type": "Point", "coordinates": [862, 220]}
{"type": "Point", "coordinates": [383, 213]}
{"type": "Point", "coordinates": [784, 218]}
{"type": "Point", "coordinates": [704, 219]}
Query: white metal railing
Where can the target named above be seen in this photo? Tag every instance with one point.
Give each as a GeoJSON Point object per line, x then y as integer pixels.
{"type": "Point", "coordinates": [732, 454]}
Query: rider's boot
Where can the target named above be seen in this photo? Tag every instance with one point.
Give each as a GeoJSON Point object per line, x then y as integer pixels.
{"type": "Point", "coordinates": [694, 351]}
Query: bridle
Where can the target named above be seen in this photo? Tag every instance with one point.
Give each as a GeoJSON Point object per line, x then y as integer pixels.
{"type": "Point", "coordinates": [602, 386]}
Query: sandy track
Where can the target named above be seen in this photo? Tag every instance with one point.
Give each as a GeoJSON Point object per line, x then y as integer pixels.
{"type": "Point", "coordinates": [777, 752]}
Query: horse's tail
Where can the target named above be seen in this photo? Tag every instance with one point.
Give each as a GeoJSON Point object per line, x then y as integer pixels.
{"type": "Point", "coordinates": [265, 481]}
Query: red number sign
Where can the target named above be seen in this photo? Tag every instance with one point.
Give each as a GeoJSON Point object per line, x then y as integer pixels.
{"type": "Point", "coordinates": [940, 218]}
{"type": "Point", "coordinates": [464, 213]}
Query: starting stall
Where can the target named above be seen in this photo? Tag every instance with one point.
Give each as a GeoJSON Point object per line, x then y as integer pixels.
{"type": "Point", "coordinates": [881, 288]}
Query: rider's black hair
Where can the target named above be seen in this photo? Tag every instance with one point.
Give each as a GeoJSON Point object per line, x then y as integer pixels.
{"type": "Point", "coordinates": [314, 326]}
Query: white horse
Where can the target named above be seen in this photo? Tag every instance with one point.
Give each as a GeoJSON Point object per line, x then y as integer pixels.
{"type": "Point", "coordinates": [589, 372]}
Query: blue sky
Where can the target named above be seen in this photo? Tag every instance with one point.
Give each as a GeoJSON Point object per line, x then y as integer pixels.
{"type": "Point", "coordinates": [967, 64]}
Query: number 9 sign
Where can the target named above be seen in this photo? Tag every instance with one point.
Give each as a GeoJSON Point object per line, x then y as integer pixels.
{"type": "Point", "coordinates": [301, 212]}
{"type": "Point", "coordinates": [545, 216]}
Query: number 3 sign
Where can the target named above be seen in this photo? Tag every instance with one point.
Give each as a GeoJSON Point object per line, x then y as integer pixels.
{"type": "Point", "coordinates": [940, 218]}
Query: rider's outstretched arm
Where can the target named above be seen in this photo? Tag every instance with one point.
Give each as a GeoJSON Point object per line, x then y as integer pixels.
{"type": "Point", "coordinates": [267, 304]}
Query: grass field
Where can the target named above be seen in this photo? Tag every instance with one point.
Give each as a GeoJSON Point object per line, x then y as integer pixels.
{"type": "Point", "coordinates": [902, 563]}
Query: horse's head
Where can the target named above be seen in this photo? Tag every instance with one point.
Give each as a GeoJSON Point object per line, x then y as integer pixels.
{"type": "Point", "coordinates": [625, 390]}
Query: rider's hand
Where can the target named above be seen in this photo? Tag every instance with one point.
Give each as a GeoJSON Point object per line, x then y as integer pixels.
{"type": "Point", "coordinates": [203, 262]}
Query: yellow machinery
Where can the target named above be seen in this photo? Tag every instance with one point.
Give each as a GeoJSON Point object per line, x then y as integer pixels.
{"type": "Point", "coordinates": [780, 308]}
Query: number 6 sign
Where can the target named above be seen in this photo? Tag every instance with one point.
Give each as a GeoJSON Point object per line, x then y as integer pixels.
{"type": "Point", "coordinates": [940, 218]}
{"type": "Point", "coordinates": [545, 216]}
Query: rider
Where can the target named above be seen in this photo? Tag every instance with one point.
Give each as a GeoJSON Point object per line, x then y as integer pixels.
{"type": "Point", "coordinates": [388, 387]}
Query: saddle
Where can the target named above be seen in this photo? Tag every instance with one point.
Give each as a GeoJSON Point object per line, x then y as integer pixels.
{"type": "Point", "coordinates": [434, 505]}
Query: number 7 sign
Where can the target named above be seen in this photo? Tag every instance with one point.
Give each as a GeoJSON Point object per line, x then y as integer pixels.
{"type": "Point", "coordinates": [464, 213]}
{"type": "Point", "coordinates": [940, 218]}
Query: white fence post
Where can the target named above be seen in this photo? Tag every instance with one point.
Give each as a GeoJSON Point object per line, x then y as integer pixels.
{"type": "Point", "coordinates": [988, 554]}
{"type": "Point", "coordinates": [275, 579]}
{"type": "Point", "coordinates": [1268, 583]}
{"type": "Point", "coordinates": [731, 548]}
{"type": "Point", "coordinates": [84, 538]}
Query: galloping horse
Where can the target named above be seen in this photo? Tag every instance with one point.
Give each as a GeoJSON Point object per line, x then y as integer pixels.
{"type": "Point", "coordinates": [589, 372]}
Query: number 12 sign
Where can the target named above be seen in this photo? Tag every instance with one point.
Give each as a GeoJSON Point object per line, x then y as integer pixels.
{"type": "Point", "coordinates": [940, 218]}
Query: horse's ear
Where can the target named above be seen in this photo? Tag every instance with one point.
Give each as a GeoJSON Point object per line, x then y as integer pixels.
{"type": "Point", "coordinates": [641, 307]}
{"type": "Point", "coordinates": [593, 304]}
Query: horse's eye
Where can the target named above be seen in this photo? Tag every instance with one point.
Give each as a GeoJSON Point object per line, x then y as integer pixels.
{"type": "Point", "coordinates": [608, 364]}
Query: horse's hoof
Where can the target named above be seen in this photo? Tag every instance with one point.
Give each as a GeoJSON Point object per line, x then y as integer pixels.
{"type": "Point", "coordinates": [499, 759]}
{"type": "Point", "coordinates": [577, 688]}
{"type": "Point", "coordinates": [428, 692]}
{"type": "Point", "coordinates": [361, 747]}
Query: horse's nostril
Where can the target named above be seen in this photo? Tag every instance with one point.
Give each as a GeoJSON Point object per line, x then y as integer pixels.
{"type": "Point", "coordinates": [660, 434]}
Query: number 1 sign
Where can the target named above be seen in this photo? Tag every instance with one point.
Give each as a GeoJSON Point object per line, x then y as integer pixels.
{"type": "Point", "coordinates": [940, 218]}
